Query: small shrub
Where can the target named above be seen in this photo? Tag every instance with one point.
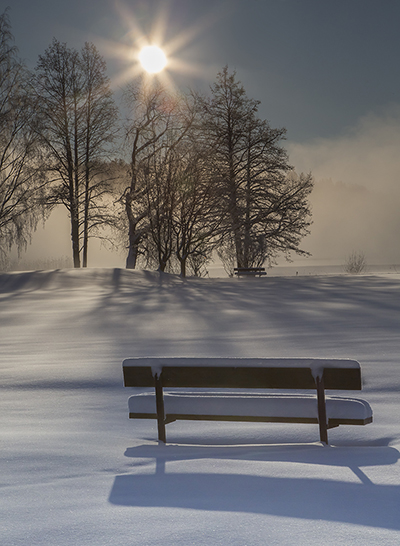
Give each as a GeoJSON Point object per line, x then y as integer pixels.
{"type": "Point", "coordinates": [355, 263]}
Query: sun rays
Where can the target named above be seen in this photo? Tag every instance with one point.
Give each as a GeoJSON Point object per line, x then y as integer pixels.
{"type": "Point", "coordinates": [129, 50]}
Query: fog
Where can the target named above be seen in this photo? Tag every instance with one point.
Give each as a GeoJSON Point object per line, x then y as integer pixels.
{"type": "Point", "coordinates": [51, 247]}
{"type": "Point", "coordinates": [356, 198]}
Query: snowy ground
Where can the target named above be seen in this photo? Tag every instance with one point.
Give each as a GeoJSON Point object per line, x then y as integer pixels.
{"type": "Point", "coordinates": [75, 471]}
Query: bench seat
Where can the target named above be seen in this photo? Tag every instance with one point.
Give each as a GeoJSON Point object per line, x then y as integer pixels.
{"type": "Point", "coordinates": [296, 408]}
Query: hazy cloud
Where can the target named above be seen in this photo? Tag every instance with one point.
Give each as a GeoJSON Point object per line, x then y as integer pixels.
{"type": "Point", "coordinates": [366, 154]}
{"type": "Point", "coordinates": [356, 201]}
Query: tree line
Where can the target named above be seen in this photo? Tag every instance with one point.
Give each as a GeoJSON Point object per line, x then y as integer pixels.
{"type": "Point", "coordinates": [182, 177]}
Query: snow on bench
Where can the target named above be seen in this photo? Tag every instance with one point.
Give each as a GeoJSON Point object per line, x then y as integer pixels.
{"type": "Point", "coordinates": [277, 406]}
{"type": "Point", "coordinates": [246, 373]}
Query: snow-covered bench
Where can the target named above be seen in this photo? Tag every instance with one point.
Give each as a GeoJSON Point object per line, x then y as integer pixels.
{"type": "Point", "coordinates": [245, 374]}
{"type": "Point", "coordinates": [249, 271]}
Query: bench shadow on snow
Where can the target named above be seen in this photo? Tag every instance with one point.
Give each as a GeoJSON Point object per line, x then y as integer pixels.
{"type": "Point", "coordinates": [362, 503]}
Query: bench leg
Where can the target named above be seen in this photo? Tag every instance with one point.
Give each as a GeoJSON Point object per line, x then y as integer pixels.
{"type": "Point", "coordinates": [160, 410]}
{"type": "Point", "coordinates": [322, 421]}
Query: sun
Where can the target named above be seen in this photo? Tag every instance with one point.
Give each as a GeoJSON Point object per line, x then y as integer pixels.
{"type": "Point", "coordinates": [154, 54]}
{"type": "Point", "coordinates": [153, 59]}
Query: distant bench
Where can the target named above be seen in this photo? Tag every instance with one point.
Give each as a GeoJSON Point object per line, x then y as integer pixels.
{"type": "Point", "coordinates": [249, 271]}
{"type": "Point", "coordinates": [246, 373]}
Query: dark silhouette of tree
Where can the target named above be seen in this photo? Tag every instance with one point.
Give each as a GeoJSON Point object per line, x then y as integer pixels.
{"type": "Point", "coordinates": [21, 184]}
{"type": "Point", "coordinates": [161, 200]}
{"type": "Point", "coordinates": [100, 115]}
{"type": "Point", "coordinates": [266, 210]}
{"type": "Point", "coordinates": [208, 174]}
{"type": "Point", "coordinates": [196, 222]}
{"type": "Point", "coordinates": [156, 135]}
{"type": "Point", "coordinates": [144, 137]}
{"type": "Point", "coordinates": [76, 125]}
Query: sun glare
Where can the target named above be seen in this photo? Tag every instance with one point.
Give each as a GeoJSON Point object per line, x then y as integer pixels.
{"type": "Point", "coordinates": [153, 59]}
{"type": "Point", "coordinates": [140, 56]}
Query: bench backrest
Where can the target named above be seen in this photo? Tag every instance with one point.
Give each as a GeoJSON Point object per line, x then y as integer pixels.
{"type": "Point", "coordinates": [257, 373]}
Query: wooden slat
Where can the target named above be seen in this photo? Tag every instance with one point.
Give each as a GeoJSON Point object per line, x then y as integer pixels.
{"type": "Point", "coordinates": [243, 377]}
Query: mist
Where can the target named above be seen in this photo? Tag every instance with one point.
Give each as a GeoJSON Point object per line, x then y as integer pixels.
{"type": "Point", "coordinates": [356, 200]}
{"type": "Point", "coordinates": [51, 247]}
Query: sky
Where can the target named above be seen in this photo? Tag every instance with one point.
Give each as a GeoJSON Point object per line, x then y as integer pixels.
{"type": "Point", "coordinates": [325, 70]}
{"type": "Point", "coordinates": [317, 66]}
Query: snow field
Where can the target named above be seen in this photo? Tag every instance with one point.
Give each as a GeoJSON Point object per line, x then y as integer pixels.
{"type": "Point", "coordinates": [76, 471]}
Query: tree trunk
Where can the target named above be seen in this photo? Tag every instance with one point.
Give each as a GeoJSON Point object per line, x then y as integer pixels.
{"type": "Point", "coordinates": [163, 263]}
{"type": "Point", "coordinates": [86, 227]}
{"type": "Point", "coordinates": [247, 226]}
{"type": "Point", "coordinates": [133, 239]}
{"type": "Point", "coordinates": [86, 210]}
{"type": "Point", "coordinates": [85, 252]}
{"type": "Point", "coordinates": [74, 211]}
{"type": "Point", "coordinates": [133, 251]}
{"type": "Point", "coordinates": [75, 238]}
{"type": "Point", "coordinates": [183, 266]}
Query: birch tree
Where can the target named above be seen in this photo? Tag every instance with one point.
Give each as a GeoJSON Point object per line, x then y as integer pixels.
{"type": "Point", "coordinates": [21, 183]}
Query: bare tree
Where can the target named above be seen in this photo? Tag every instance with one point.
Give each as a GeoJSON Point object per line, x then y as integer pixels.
{"type": "Point", "coordinates": [144, 136]}
{"type": "Point", "coordinates": [266, 208]}
{"type": "Point", "coordinates": [161, 122]}
{"type": "Point", "coordinates": [20, 181]}
{"type": "Point", "coordinates": [208, 174]}
{"type": "Point", "coordinates": [182, 195]}
{"type": "Point", "coordinates": [99, 120]}
{"type": "Point", "coordinates": [196, 222]}
{"type": "Point", "coordinates": [161, 199]}
{"type": "Point", "coordinates": [76, 121]}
